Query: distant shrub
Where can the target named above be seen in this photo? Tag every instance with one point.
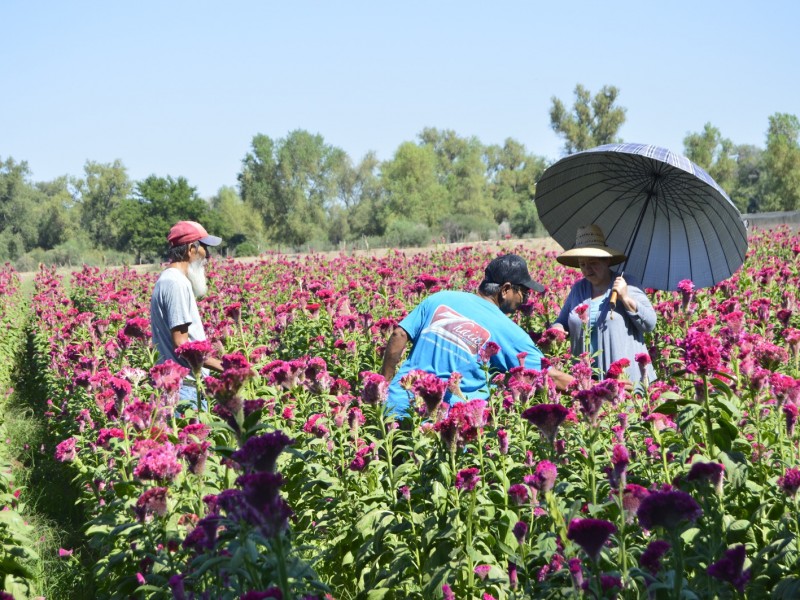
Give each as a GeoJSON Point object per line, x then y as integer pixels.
{"type": "Point", "coordinates": [406, 234]}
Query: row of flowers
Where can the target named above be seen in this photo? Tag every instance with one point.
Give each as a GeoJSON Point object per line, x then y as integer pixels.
{"type": "Point", "coordinates": [291, 481]}
{"type": "Point", "coordinates": [20, 558]}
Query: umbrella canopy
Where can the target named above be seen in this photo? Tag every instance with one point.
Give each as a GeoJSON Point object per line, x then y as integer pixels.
{"type": "Point", "coordinates": [669, 216]}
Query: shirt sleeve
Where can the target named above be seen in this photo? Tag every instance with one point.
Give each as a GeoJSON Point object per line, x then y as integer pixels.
{"type": "Point", "coordinates": [177, 305]}
{"type": "Point", "coordinates": [415, 321]}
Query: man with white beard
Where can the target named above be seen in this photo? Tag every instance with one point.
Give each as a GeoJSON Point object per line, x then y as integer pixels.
{"type": "Point", "coordinates": [174, 317]}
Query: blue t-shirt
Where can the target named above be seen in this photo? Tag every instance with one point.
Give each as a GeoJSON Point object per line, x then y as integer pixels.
{"type": "Point", "coordinates": [447, 330]}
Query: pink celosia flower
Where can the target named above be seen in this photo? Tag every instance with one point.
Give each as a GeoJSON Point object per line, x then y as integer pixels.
{"type": "Point", "coordinates": [376, 388]}
{"type": "Point", "coordinates": [467, 479]}
{"type": "Point", "coordinates": [590, 534]}
{"type": "Point", "coordinates": [160, 464]}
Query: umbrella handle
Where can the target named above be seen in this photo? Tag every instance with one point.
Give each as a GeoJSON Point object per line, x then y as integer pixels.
{"type": "Point", "coordinates": [612, 301]}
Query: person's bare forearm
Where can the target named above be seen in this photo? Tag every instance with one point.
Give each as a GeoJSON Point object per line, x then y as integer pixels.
{"type": "Point", "coordinates": [394, 350]}
{"type": "Point", "coordinates": [561, 379]}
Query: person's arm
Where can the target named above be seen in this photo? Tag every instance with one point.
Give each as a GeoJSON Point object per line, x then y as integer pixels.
{"type": "Point", "coordinates": [180, 335]}
{"type": "Point", "coordinates": [394, 350]}
{"type": "Point", "coordinates": [637, 305]}
{"type": "Point", "coordinates": [561, 379]}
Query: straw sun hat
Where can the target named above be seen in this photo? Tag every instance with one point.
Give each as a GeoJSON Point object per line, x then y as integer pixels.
{"type": "Point", "coordinates": [590, 243]}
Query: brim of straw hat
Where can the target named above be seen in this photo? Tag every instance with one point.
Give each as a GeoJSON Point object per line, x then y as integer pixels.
{"type": "Point", "coordinates": [570, 257]}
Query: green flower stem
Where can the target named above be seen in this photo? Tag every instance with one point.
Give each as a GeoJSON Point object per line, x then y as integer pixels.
{"type": "Point", "coordinates": [468, 542]}
{"type": "Point", "coordinates": [623, 554]}
{"type": "Point", "coordinates": [663, 451]}
{"type": "Point", "coordinates": [677, 547]}
{"type": "Point", "coordinates": [592, 474]}
{"type": "Point", "coordinates": [558, 525]}
{"type": "Point", "coordinates": [280, 556]}
{"type": "Point", "coordinates": [387, 436]}
{"type": "Point", "coordinates": [707, 414]}
{"type": "Point", "coordinates": [416, 545]}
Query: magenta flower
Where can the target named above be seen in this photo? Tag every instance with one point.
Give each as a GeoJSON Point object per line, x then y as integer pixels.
{"type": "Point", "coordinates": [617, 368]}
{"type": "Point", "coordinates": [159, 463]}
{"type": "Point", "coordinates": [151, 502]}
{"type": "Point", "coordinates": [263, 505]}
{"type": "Point", "coordinates": [502, 441]}
{"type": "Point", "coordinates": [66, 450]}
{"type": "Point", "coordinates": [701, 352]}
{"type": "Point", "coordinates": [520, 530]}
{"type": "Point", "coordinates": [590, 534]}
{"type": "Point", "coordinates": [376, 388]}
{"type": "Point", "coordinates": [790, 482]}
{"type": "Point", "coordinates": [482, 571]}
{"type": "Point", "coordinates": [519, 494]}
{"type": "Point", "coordinates": [488, 350]}
{"type": "Point", "coordinates": [259, 453]}
{"type": "Point", "coordinates": [195, 353]}
{"type": "Point", "coordinates": [632, 497]}
{"type": "Point", "coordinates": [583, 313]}
{"type": "Point", "coordinates": [137, 328]}
{"type": "Point", "coordinates": [790, 412]}
{"type": "Point", "coordinates": [730, 568]}
{"type": "Point", "coordinates": [447, 593]}
{"type": "Point", "coordinates": [547, 417]}
{"type": "Point", "coordinates": [544, 477]}
{"type": "Point", "coordinates": [711, 472]}
{"type": "Point", "coordinates": [431, 389]}
{"type": "Point", "coordinates": [668, 509]}
{"type": "Point", "coordinates": [195, 454]}
{"type": "Point", "coordinates": [651, 557]}
{"type": "Point", "coordinates": [467, 479]}
{"type": "Point", "coordinates": [576, 572]}
{"type": "Point", "coordinates": [168, 376]}
{"type": "Point", "coordinates": [619, 461]}
{"type": "Point", "coordinates": [462, 423]}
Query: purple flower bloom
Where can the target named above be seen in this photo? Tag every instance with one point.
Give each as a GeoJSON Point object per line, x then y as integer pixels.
{"type": "Point", "coordinates": [488, 350]}
{"type": "Point", "coordinates": [261, 452]}
{"type": "Point", "coordinates": [195, 353]}
{"type": "Point", "coordinates": [260, 503]}
{"type": "Point", "coordinates": [447, 593]}
{"type": "Point", "coordinates": [651, 557]}
{"type": "Point", "coordinates": [376, 388]}
{"type": "Point", "coordinates": [482, 571]}
{"type": "Point", "coordinates": [702, 352]}
{"type": "Point", "coordinates": [590, 534]}
{"type": "Point", "coordinates": [66, 450]}
{"type": "Point", "coordinates": [467, 479]}
{"type": "Point", "coordinates": [668, 509]}
{"type": "Point", "coordinates": [502, 440]}
{"type": "Point", "coordinates": [431, 389]}
{"type": "Point", "coordinates": [711, 472]}
{"type": "Point", "coordinates": [632, 497]}
{"type": "Point", "coordinates": [547, 417]}
{"type": "Point", "coordinates": [729, 568]}
{"type": "Point", "coordinates": [168, 376]}
{"type": "Point", "coordinates": [520, 530]}
{"type": "Point", "coordinates": [151, 502]}
{"type": "Point", "coordinates": [512, 575]}
{"type": "Point", "coordinates": [544, 477]}
{"type": "Point", "coordinates": [159, 463]}
{"type": "Point", "coordinates": [576, 572]}
{"type": "Point", "coordinates": [619, 461]}
{"type": "Point", "coordinates": [790, 482]}
{"type": "Point", "coordinates": [519, 494]}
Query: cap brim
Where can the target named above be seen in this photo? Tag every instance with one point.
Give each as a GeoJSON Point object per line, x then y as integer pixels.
{"type": "Point", "coordinates": [210, 240]}
{"type": "Point", "coordinates": [532, 285]}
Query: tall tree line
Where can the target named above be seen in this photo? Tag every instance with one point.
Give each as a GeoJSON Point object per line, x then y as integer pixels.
{"type": "Point", "coordinates": [301, 192]}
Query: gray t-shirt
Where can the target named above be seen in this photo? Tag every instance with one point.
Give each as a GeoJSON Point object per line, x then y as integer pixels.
{"type": "Point", "coordinates": [171, 305]}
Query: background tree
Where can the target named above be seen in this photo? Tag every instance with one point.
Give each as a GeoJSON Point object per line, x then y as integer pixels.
{"type": "Point", "coordinates": [19, 209]}
{"type": "Point", "coordinates": [782, 163]}
{"type": "Point", "coordinates": [234, 220]}
{"type": "Point", "coordinates": [103, 190]}
{"type": "Point", "coordinates": [414, 191]}
{"type": "Point", "coordinates": [365, 200]}
{"type": "Point", "coordinates": [717, 155]}
{"type": "Point", "coordinates": [290, 182]}
{"type": "Point", "coordinates": [592, 122]}
{"type": "Point", "coordinates": [512, 174]}
{"type": "Point", "coordinates": [145, 219]}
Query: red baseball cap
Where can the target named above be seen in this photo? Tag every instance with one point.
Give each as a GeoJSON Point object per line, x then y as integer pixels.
{"type": "Point", "coordinates": [186, 232]}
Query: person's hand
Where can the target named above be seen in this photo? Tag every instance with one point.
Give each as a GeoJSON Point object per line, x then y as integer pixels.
{"type": "Point", "coordinates": [621, 287]}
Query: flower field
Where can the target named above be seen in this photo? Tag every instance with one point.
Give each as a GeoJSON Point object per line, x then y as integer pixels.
{"type": "Point", "coordinates": [292, 482]}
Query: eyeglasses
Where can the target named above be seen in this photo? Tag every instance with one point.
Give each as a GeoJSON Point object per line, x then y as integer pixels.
{"type": "Point", "coordinates": [522, 290]}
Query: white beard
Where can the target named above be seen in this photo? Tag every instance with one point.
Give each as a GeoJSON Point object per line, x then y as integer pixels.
{"type": "Point", "coordinates": [197, 277]}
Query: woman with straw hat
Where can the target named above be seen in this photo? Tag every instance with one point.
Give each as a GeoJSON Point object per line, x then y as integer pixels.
{"type": "Point", "coordinates": [615, 329]}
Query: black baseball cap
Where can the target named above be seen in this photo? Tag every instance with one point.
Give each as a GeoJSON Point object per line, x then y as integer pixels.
{"type": "Point", "coordinates": [511, 268]}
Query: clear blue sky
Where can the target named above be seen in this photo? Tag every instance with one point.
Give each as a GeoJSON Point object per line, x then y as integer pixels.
{"type": "Point", "coordinates": [181, 87]}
